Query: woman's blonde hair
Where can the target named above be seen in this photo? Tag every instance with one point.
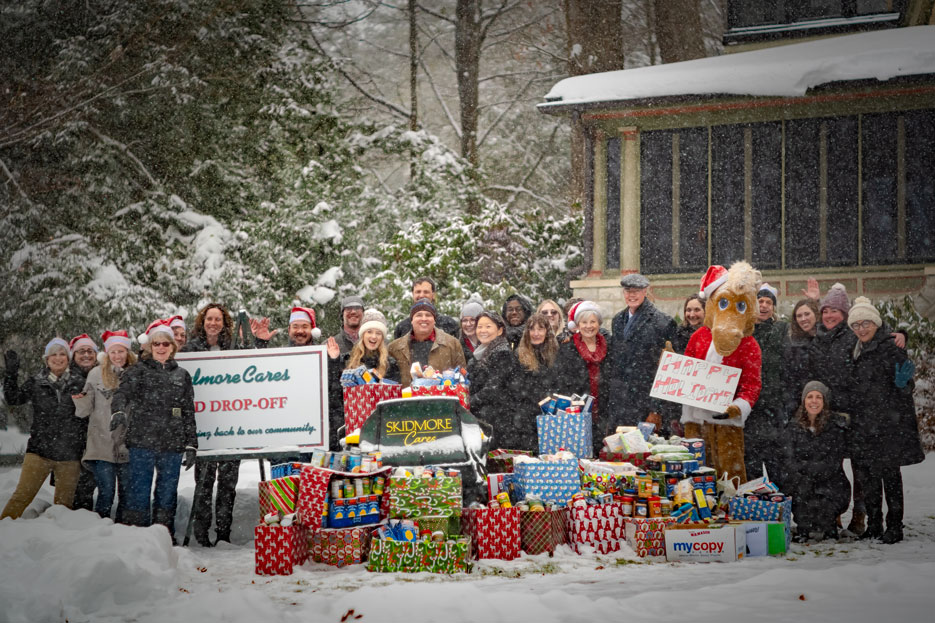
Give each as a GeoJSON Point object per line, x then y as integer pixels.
{"type": "Point", "coordinates": [109, 375]}
{"type": "Point", "coordinates": [359, 351]}
{"type": "Point", "coordinates": [526, 352]}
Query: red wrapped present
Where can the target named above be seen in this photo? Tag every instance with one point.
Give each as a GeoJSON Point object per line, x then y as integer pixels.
{"type": "Point", "coordinates": [361, 400]}
{"type": "Point", "coordinates": [646, 536]}
{"type": "Point", "coordinates": [458, 391]}
{"type": "Point", "coordinates": [542, 531]}
{"type": "Point", "coordinates": [279, 549]}
{"type": "Point", "coordinates": [637, 459]}
{"type": "Point", "coordinates": [501, 461]}
{"type": "Point", "coordinates": [599, 526]}
{"type": "Point", "coordinates": [494, 532]}
{"type": "Point", "coordinates": [340, 546]}
{"type": "Point", "coordinates": [279, 494]}
{"type": "Point", "coordinates": [314, 486]}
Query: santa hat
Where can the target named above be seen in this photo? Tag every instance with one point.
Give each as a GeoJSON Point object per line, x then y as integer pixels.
{"type": "Point", "coordinates": [713, 279]}
{"type": "Point", "coordinates": [115, 338]}
{"type": "Point", "coordinates": [156, 326]}
{"type": "Point", "coordinates": [574, 314]}
{"type": "Point", "coordinates": [54, 344]}
{"type": "Point", "coordinates": [177, 321]}
{"type": "Point", "coordinates": [81, 340]}
{"type": "Point", "coordinates": [373, 319]}
{"type": "Point", "coordinates": [305, 314]}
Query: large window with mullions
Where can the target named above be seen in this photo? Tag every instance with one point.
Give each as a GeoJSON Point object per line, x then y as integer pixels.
{"type": "Point", "coordinates": [832, 191]}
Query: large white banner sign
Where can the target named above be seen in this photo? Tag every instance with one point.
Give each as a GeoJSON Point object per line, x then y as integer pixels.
{"type": "Point", "coordinates": [260, 399]}
{"type": "Point", "coordinates": [695, 382]}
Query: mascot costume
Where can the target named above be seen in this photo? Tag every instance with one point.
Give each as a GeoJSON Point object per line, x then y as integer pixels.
{"type": "Point", "coordinates": [727, 338]}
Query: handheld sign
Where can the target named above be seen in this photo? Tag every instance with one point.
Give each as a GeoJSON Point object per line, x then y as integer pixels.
{"type": "Point", "coordinates": [695, 382]}
{"type": "Point", "coordinates": [257, 400]}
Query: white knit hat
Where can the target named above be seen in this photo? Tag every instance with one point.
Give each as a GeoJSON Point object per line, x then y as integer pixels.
{"type": "Point", "coordinates": [863, 309]}
{"type": "Point", "coordinates": [373, 319]}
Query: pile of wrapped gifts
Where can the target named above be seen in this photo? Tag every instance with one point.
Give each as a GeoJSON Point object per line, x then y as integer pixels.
{"type": "Point", "coordinates": [427, 381]}
{"type": "Point", "coordinates": [353, 377]}
{"type": "Point", "coordinates": [565, 424]}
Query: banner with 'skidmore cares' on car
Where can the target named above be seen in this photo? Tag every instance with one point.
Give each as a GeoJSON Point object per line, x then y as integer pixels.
{"type": "Point", "coordinates": [260, 399]}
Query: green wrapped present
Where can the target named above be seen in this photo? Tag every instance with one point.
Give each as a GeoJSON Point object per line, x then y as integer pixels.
{"type": "Point", "coordinates": [452, 556]}
{"type": "Point", "coordinates": [413, 498]}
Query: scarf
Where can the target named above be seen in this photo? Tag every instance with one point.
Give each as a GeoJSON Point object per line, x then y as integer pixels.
{"type": "Point", "coordinates": [593, 361]}
{"type": "Point", "coordinates": [481, 352]}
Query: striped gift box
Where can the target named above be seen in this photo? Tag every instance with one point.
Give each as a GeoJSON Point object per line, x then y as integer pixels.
{"type": "Point", "coordinates": [279, 494]}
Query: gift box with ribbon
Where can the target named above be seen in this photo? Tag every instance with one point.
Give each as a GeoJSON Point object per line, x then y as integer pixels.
{"type": "Point", "coordinates": [278, 495]}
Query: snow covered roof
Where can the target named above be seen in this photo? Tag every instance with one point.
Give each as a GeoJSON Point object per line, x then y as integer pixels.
{"type": "Point", "coordinates": [788, 70]}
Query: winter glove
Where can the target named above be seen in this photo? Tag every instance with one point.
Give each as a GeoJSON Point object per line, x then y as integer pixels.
{"type": "Point", "coordinates": [904, 373]}
{"type": "Point", "coordinates": [11, 362]}
{"type": "Point", "coordinates": [117, 420]}
{"type": "Point", "coordinates": [732, 411]}
{"type": "Point", "coordinates": [191, 455]}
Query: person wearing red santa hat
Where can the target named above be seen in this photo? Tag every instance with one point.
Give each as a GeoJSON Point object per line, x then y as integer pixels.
{"type": "Point", "coordinates": [303, 330]}
{"type": "Point", "coordinates": [56, 436]}
{"type": "Point", "coordinates": [106, 458]}
{"type": "Point", "coordinates": [156, 402]}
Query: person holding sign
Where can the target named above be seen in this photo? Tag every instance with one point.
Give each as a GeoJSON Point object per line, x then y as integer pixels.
{"type": "Point", "coordinates": [213, 331]}
{"type": "Point", "coordinates": [156, 403]}
{"type": "Point", "coordinates": [727, 338]}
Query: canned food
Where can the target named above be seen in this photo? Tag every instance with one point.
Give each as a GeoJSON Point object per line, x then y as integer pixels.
{"type": "Point", "coordinates": [378, 485]}
{"type": "Point", "coordinates": [359, 487]}
{"type": "Point", "coordinates": [438, 536]}
{"type": "Point", "coordinates": [494, 503]}
{"type": "Point", "coordinates": [504, 499]}
{"type": "Point", "coordinates": [366, 463]}
{"type": "Point", "coordinates": [354, 461]}
{"type": "Point", "coordinates": [337, 488]}
{"type": "Point", "coordinates": [655, 506]}
{"type": "Point", "coordinates": [641, 509]}
{"type": "Point", "coordinates": [536, 505]}
{"type": "Point", "coordinates": [349, 489]}
{"type": "Point", "coordinates": [626, 507]}
{"type": "Point", "coordinates": [366, 485]}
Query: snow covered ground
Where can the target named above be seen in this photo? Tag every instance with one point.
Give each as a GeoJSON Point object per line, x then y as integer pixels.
{"type": "Point", "coordinates": [62, 565]}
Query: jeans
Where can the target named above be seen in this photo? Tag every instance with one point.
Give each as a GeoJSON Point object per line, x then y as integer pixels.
{"type": "Point", "coordinates": [111, 478]}
{"type": "Point", "coordinates": [167, 466]}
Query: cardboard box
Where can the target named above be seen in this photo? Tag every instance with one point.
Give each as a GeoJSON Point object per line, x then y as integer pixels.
{"type": "Point", "coordinates": [765, 538]}
{"type": "Point", "coordinates": [747, 509]}
{"type": "Point", "coordinates": [704, 543]}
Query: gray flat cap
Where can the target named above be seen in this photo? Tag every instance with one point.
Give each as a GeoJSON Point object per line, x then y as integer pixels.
{"type": "Point", "coordinates": [352, 301]}
{"type": "Point", "coordinates": [634, 280]}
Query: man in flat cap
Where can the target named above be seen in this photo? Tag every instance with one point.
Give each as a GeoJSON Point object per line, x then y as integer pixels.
{"type": "Point", "coordinates": [352, 314]}
{"type": "Point", "coordinates": [640, 333]}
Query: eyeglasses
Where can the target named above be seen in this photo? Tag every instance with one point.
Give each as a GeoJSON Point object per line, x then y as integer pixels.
{"type": "Point", "coordinates": [84, 351]}
{"type": "Point", "coordinates": [514, 308]}
{"type": "Point", "coordinates": [550, 312]}
{"type": "Point", "coordinates": [162, 344]}
{"type": "Point", "coordinates": [865, 324]}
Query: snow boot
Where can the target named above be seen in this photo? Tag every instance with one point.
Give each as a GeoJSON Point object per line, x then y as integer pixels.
{"type": "Point", "coordinates": [223, 536]}
{"type": "Point", "coordinates": [166, 517]}
{"type": "Point", "coordinates": [858, 524]}
{"type": "Point", "coordinates": [893, 534]}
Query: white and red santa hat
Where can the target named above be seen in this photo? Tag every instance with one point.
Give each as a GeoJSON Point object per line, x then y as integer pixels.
{"type": "Point", "coordinates": [81, 340]}
{"type": "Point", "coordinates": [305, 314]}
{"type": "Point", "coordinates": [713, 279]}
{"type": "Point", "coordinates": [177, 321]}
{"type": "Point", "coordinates": [115, 338]}
{"type": "Point", "coordinates": [158, 325]}
{"type": "Point", "coordinates": [578, 308]}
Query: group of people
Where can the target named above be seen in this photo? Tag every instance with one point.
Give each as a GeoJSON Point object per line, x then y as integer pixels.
{"type": "Point", "coordinates": [835, 383]}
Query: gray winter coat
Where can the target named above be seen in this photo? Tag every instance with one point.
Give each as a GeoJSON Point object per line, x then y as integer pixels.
{"type": "Point", "coordinates": [95, 406]}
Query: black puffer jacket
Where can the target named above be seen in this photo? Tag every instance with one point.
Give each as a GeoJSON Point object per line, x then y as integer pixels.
{"type": "Point", "coordinates": [796, 369]}
{"type": "Point", "coordinates": [884, 430]}
{"type": "Point", "coordinates": [199, 344]}
{"type": "Point", "coordinates": [571, 377]}
{"type": "Point", "coordinates": [56, 433]}
{"type": "Point", "coordinates": [529, 387]}
{"type": "Point", "coordinates": [819, 488]}
{"type": "Point", "coordinates": [829, 361]}
{"type": "Point", "coordinates": [767, 421]}
{"type": "Point", "coordinates": [158, 400]}
{"type": "Point", "coordinates": [491, 375]}
{"type": "Point", "coordinates": [634, 359]}
{"type": "Point", "coordinates": [683, 333]}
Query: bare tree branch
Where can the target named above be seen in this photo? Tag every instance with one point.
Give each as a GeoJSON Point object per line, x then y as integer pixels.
{"type": "Point", "coordinates": [496, 121]}
{"type": "Point", "coordinates": [451, 120]}
{"type": "Point", "coordinates": [492, 16]}
{"type": "Point", "coordinates": [450, 20]}
{"type": "Point", "coordinates": [13, 180]}
{"type": "Point", "coordinates": [125, 150]}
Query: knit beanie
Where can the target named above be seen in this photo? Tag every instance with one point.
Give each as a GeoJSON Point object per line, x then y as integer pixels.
{"type": "Point", "coordinates": [767, 291]}
{"type": "Point", "coordinates": [836, 299]}
{"type": "Point", "coordinates": [471, 309]}
{"type": "Point", "coordinates": [862, 310]}
{"type": "Point", "coordinates": [373, 319]}
{"type": "Point", "coordinates": [816, 386]}
{"type": "Point", "coordinates": [55, 345]}
{"type": "Point", "coordinates": [422, 305]}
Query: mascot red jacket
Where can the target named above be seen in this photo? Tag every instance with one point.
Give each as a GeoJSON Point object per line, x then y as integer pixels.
{"type": "Point", "coordinates": [727, 338]}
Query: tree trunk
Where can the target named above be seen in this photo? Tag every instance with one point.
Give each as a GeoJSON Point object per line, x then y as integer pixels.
{"type": "Point", "coordinates": [467, 62]}
{"type": "Point", "coordinates": [595, 44]}
{"type": "Point", "coordinates": [678, 30]}
{"type": "Point", "coordinates": [413, 81]}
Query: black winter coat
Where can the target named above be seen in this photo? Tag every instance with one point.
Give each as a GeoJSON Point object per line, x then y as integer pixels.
{"type": "Point", "coordinates": [884, 428]}
{"type": "Point", "coordinates": [767, 420]}
{"type": "Point", "coordinates": [159, 402]}
{"type": "Point", "coordinates": [816, 481]}
{"type": "Point", "coordinates": [571, 377]}
{"type": "Point", "coordinates": [683, 333]}
{"type": "Point", "coordinates": [199, 344]}
{"type": "Point", "coordinates": [491, 376]}
{"type": "Point", "coordinates": [468, 351]}
{"type": "Point", "coordinates": [633, 362]}
{"type": "Point", "coordinates": [529, 387]}
{"type": "Point", "coordinates": [796, 370]}
{"type": "Point", "coordinates": [56, 433]}
{"type": "Point", "coordinates": [829, 361]}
